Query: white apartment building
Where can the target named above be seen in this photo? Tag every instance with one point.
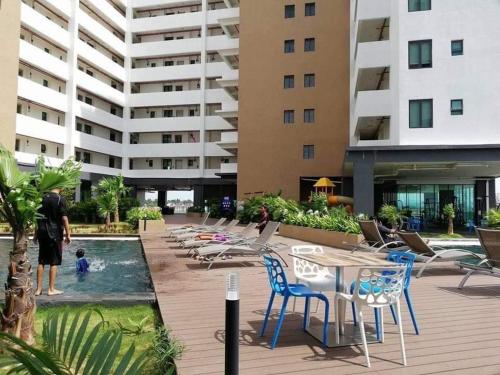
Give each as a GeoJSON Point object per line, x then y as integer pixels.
{"type": "Point", "coordinates": [145, 88]}
{"type": "Point", "coordinates": [424, 120]}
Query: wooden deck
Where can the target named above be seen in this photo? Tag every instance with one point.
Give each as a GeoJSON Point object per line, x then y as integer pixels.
{"type": "Point", "coordinates": [460, 330]}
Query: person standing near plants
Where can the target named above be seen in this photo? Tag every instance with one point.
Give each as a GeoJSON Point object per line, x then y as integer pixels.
{"type": "Point", "coordinates": [264, 218]}
{"type": "Point", "coordinates": [50, 235]}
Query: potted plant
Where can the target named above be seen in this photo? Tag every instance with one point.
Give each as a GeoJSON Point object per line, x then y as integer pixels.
{"type": "Point", "coordinates": [449, 213]}
{"type": "Point", "coordinates": [391, 214]}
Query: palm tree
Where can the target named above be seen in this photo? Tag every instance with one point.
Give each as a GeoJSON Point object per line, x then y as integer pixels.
{"type": "Point", "coordinates": [106, 205]}
{"type": "Point", "coordinates": [449, 213]}
{"type": "Point", "coordinates": [21, 196]}
{"type": "Point", "coordinates": [116, 186]}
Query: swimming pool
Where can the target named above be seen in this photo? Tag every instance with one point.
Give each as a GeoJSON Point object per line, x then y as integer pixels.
{"type": "Point", "coordinates": [116, 266]}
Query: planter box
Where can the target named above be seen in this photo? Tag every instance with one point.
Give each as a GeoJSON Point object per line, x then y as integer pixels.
{"type": "Point", "coordinates": [194, 214]}
{"type": "Point", "coordinates": [152, 226]}
{"type": "Point", "coordinates": [320, 236]}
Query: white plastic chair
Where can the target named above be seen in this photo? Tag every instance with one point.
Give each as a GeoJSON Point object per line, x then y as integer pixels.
{"type": "Point", "coordinates": [317, 278]}
{"type": "Point", "coordinates": [376, 287]}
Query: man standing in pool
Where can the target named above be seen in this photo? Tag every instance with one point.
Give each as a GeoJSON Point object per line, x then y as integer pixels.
{"type": "Point", "coordinates": [50, 234]}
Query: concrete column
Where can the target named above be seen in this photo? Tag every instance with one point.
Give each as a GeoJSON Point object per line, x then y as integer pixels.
{"type": "Point", "coordinates": [203, 81]}
{"type": "Point", "coordinates": [363, 179]}
{"type": "Point", "coordinates": [162, 198]}
{"type": "Point", "coordinates": [198, 195]}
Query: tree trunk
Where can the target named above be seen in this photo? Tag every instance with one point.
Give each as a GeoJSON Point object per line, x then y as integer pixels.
{"type": "Point", "coordinates": [450, 226]}
{"type": "Point", "coordinates": [108, 221]}
{"type": "Point", "coordinates": [18, 315]}
{"type": "Point", "coordinates": [117, 215]}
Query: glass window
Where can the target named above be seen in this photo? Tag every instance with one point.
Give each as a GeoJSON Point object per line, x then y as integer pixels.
{"type": "Point", "coordinates": [419, 5]}
{"type": "Point", "coordinates": [19, 108]}
{"type": "Point", "coordinates": [310, 9]}
{"type": "Point", "coordinates": [457, 107]}
{"type": "Point", "coordinates": [289, 46]}
{"type": "Point", "coordinates": [289, 82]}
{"type": "Point", "coordinates": [130, 164]}
{"type": "Point", "coordinates": [111, 163]}
{"type": "Point", "coordinates": [86, 157]}
{"type": "Point", "coordinates": [309, 115]}
{"type": "Point", "coordinates": [166, 138]}
{"type": "Point", "coordinates": [309, 80]}
{"type": "Point", "coordinates": [43, 148]}
{"type": "Point", "coordinates": [289, 11]}
{"type": "Point", "coordinates": [167, 88]}
{"type": "Point", "coordinates": [420, 54]}
{"type": "Point", "coordinates": [168, 113]}
{"type": "Point", "coordinates": [44, 116]}
{"type": "Point", "coordinates": [289, 116]}
{"type": "Point", "coordinates": [88, 100]}
{"type": "Point", "coordinates": [178, 138]}
{"type": "Point", "coordinates": [152, 114]}
{"type": "Point", "coordinates": [166, 163]}
{"type": "Point", "coordinates": [308, 152]}
{"type": "Point", "coordinates": [457, 47]}
{"type": "Point", "coordinates": [46, 83]}
{"type": "Point", "coordinates": [112, 136]}
{"type": "Point", "coordinates": [179, 88]}
{"type": "Point", "coordinates": [87, 129]}
{"type": "Point", "coordinates": [309, 44]}
{"type": "Point", "coordinates": [421, 113]}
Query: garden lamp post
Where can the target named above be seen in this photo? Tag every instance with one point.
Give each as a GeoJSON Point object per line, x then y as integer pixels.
{"type": "Point", "coordinates": [232, 324]}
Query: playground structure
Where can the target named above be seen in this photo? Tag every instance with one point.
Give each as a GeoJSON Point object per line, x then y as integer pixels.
{"type": "Point", "coordinates": [326, 186]}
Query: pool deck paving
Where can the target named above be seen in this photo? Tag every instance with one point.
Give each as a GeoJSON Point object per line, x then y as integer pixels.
{"type": "Point", "coordinates": [460, 329]}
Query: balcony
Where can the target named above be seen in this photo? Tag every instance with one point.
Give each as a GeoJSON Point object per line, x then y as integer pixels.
{"type": "Point", "coordinates": [373, 104]}
{"type": "Point", "coordinates": [39, 58]}
{"type": "Point", "coordinates": [229, 110]}
{"type": "Point", "coordinates": [98, 116]}
{"type": "Point", "coordinates": [165, 48]}
{"type": "Point", "coordinates": [40, 24]}
{"type": "Point", "coordinates": [111, 15]}
{"type": "Point", "coordinates": [164, 124]}
{"type": "Point", "coordinates": [166, 73]}
{"type": "Point", "coordinates": [101, 89]}
{"type": "Point", "coordinates": [169, 22]}
{"type": "Point", "coordinates": [97, 144]}
{"type": "Point", "coordinates": [224, 44]}
{"type": "Point", "coordinates": [232, 3]}
{"type": "Point", "coordinates": [228, 168]}
{"type": "Point", "coordinates": [94, 28]}
{"type": "Point", "coordinates": [212, 149]}
{"type": "Point", "coordinates": [165, 173]}
{"type": "Point", "coordinates": [373, 9]}
{"type": "Point", "coordinates": [30, 159]}
{"type": "Point", "coordinates": [157, 99]}
{"type": "Point", "coordinates": [217, 123]}
{"type": "Point", "coordinates": [60, 6]}
{"type": "Point", "coordinates": [164, 150]}
{"type": "Point", "coordinates": [37, 93]}
{"type": "Point", "coordinates": [229, 82]}
{"type": "Point", "coordinates": [32, 127]}
{"type": "Point", "coordinates": [228, 140]}
{"type": "Point", "coordinates": [373, 54]}
{"type": "Point", "coordinates": [100, 169]}
{"type": "Point", "coordinates": [228, 19]}
{"type": "Point", "coordinates": [93, 56]}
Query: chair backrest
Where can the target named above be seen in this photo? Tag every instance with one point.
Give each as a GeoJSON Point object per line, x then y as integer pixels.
{"type": "Point", "coordinates": [379, 285]}
{"type": "Point", "coordinates": [415, 242]}
{"type": "Point", "coordinates": [247, 230]}
{"type": "Point", "coordinates": [276, 274]}
{"type": "Point", "coordinates": [204, 218]}
{"type": "Point", "coordinates": [219, 222]}
{"type": "Point", "coordinates": [370, 231]}
{"type": "Point", "coordinates": [406, 259]}
{"type": "Point", "coordinates": [304, 269]}
{"type": "Point", "coordinates": [265, 236]}
{"type": "Point", "coordinates": [231, 225]}
{"type": "Point", "coordinates": [490, 242]}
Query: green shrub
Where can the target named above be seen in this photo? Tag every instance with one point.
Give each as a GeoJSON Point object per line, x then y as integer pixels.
{"type": "Point", "coordinates": [494, 218]}
{"type": "Point", "coordinates": [197, 209]}
{"type": "Point", "coordinates": [83, 212]}
{"type": "Point", "coordinates": [318, 202]}
{"type": "Point", "coordinates": [126, 204]}
{"type": "Point", "coordinates": [139, 213]}
{"type": "Point", "coordinates": [391, 214]}
{"type": "Point", "coordinates": [337, 219]}
{"type": "Point", "coordinates": [278, 208]}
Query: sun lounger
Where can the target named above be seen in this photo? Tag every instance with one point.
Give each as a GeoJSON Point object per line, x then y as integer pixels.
{"type": "Point", "coordinates": [428, 254]}
{"type": "Point", "coordinates": [374, 242]}
{"type": "Point", "coordinates": [490, 243]}
{"type": "Point", "coordinates": [216, 229]}
{"type": "Point", "coordinates": [199, 228]}
{"type": "Point", "coordinates": [256, 247]}
{"type": "Point", "coordinates": [232, 237]}
{"type": "Point", "coordinates": [204, 219]}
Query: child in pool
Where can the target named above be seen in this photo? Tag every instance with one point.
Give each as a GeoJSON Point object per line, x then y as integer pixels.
{"type": "Point", "coordinates": [82, 266]}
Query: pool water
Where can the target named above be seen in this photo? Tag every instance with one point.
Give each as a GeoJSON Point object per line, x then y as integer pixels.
{"type": "Point", "coordinates": [116, 266]}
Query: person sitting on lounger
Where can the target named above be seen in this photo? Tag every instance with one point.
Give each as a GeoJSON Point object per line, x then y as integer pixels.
{"type": "Point", "coordinates": [264, 219]}
{"type": "Point", "coordinates": [384, 231]}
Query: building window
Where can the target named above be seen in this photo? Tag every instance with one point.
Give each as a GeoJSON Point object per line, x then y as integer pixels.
{"type": "Point", "coordinates": [179, 113]}
{"type": "Point", "coordinates": [310, 9]}
{"type": "Point", "coordinates": [113, 111]}
{"type": "Point", "coordinates": [111, 162]}
{"type": "Point", "coordinates": [309, 115]}
{"type": "Point", "coordinates": [168, 63]}
{"type": "Point", "coordinates": [289, 46]}
{"type": "Point", "coordinates": [289, 82]}
{"type": "Point", "coordinates": [79, 97]}
{"type": "Point", "coordinates": [19, 108]}
{"type": "Point", "coordinates": [44, 116]}
{"type": "Point", "coordinates": [309, 44]}
{"type": "Point", "coordinates": [309, 80]}
{"type": "Point", "coordinates": [166, 138]}
{"type": "Point", "coordinates": [289, 11]}
{"type": "Point", "coordinates": [45, 83]}
{"type": "Point", "coordinates": [153, 65]}
{"type": "Point", "coordinates": [419, 5]}
{"type": "Point", "coordinates": [20, 73]}
{"type": "Point", "coordinates": [89, 72]}
{"type": "Point", "coordinates": [457, 47]}
{"type": "Point", "coordinates": [43, 148]}
{"type": "Point", "coordinates": [78, 156]}
{"type": "Point", "coordinates": [130, 164]}
{"type": "Point", "coordinates": [178, 138]}
{"type": "Point", "coordinates": [168, 113]}
{"type": "Point", "coordinates": [421, 113]}
{"type": "Point", "coordinates": [88, 100]}
{"type": "Point", "coordinates": [86, 157]}
{"type": "Point", "coordinates": [79, 126]}
{"type": "Point", "coordinates": [87, 129]}
{"type": "Point", "coordinates": [192, 112]}
{"type": "Point", "coordinates": [289, 116]}
{"type": "Point", "coordinates": [179, 88]}
{"type": "Point", "coordinates": [308, 152]}
{"type": "Point", "coordinates": [167, 88]}
{"type": "Point", "coordinates": [112, 136]}
{"type": "Point", "coordinates": [166, 163]}
{"type": "Point", "coordinates": [46, 50]}
{"type": "Point", "coordinates": [152, 114]}
{"type": "Point", "coordinates": [457, 107]}
{"type": "Point", "coordinates": [150, 163]}
{"type": "Point", "coordinates": [420, 54]}
{"type": "Point", "coordinates": [18, 144]}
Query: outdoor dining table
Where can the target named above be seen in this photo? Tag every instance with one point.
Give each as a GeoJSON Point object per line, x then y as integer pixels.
{"type": "Point", "coordinates": [351, 334]}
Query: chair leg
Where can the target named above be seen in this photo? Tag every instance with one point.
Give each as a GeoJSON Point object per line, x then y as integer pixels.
{"type": "Point", "coordinates": [266, 318]}
{"type": "Point", "coordinates": [377, 323]}
{"type": "Point", "coordinates": [381, 324]}
{"type": "Point", "coordinates": [393, 314]}
{"type": "Point", "coordinates": [412, 312]}
{"type": "Point", "coordinates": [317, 306]}
{"type": "Point", "coordinates": [337, 323]}
{"type": "Point", "coordinates": [466, 277]}
{"type": "Point", "coordinates": [363, 336]}
{"type": "Point", "coordinates": [280, 322]}
{"type": "Point", "coordinates": [306, 313]}
{"type": "Point", "coordinates": [325, 324]}
{"type": "Point", "coordinates": [430, 260]}
{"type": "Point", "coordinates": [354, 317]}
{"type": "Point", "coordinates": [295, 298]}
{"type": "Point", "coordinates": [400, 325]}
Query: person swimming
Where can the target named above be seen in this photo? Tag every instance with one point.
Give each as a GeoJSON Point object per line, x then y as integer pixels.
{"type": "Point", "coordinates": [82, 266]}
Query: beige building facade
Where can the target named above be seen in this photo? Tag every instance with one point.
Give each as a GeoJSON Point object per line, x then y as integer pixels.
{"type": "Point", "coordinates": [294, 94]}
{"type": "Point", "coordinates": [9, 64]}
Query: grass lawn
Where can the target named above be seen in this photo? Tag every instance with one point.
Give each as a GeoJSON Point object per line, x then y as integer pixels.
{"type": "Point", "coordinates": [120, 228]}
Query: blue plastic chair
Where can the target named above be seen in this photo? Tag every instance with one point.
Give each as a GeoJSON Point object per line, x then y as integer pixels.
{"type": "Point", "coordinates": [279, 285]}
{"type": "Point", "coordinates": [407, 259]}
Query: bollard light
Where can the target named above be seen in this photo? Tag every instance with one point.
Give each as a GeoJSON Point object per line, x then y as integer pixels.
{"type": "Point", "coordinates": [232, 324]}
